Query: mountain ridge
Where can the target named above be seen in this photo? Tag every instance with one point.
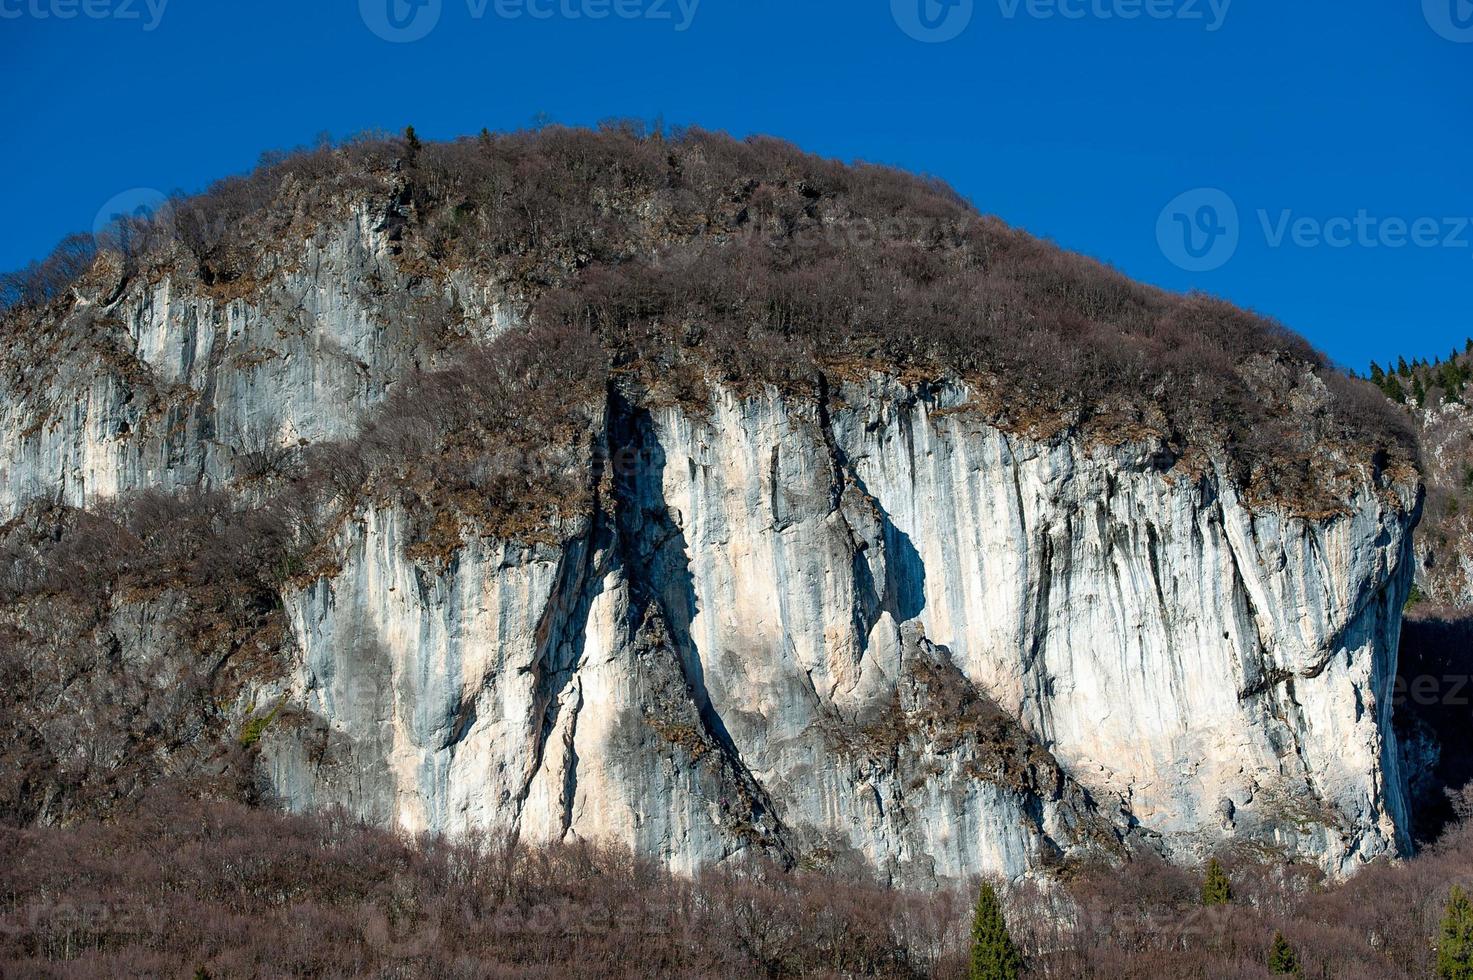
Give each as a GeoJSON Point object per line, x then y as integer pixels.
{"type": "Point", "coordinates": [517, 484]}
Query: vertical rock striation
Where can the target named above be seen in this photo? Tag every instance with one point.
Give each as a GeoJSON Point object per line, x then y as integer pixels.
{"type": "Point", "coordinates": [870, 627]}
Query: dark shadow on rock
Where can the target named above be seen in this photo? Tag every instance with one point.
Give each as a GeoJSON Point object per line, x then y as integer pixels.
{"type": "Point", "coordinates": [904, 595]}
{"type": "Point", "coordinates": [1433, 715]}
{"type": "Point", "coordinates": [654, 552]}
{"type": "Point", "coordinates": [905, 572]}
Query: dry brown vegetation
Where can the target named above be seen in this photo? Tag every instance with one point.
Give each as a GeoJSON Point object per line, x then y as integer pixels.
{"type": "Point", "coordinates": [125, 638]}
{"type": "Point", "coordinates": [645, 264]}
{"type": "Point", "coordinates": [670, 259]}
{"type": "Point", "coordinates": [176, 885]}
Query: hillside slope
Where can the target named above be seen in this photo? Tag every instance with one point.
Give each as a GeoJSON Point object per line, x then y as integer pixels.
{"type": "Point", "coordinates": [700, 495]}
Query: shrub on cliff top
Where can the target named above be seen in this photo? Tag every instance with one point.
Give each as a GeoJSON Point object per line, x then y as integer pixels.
{"type": "Point", "coordinates": [693, 253]}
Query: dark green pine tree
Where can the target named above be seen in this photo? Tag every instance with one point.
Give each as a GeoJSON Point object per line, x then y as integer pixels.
{"type": "Point", "coordinates": [1394, 390]}
{"type": "Point", "coordinates": [994, 957]}
{"type": "Point", "coordinates": [1216, 888]}
{"type": "Point", "coordinates": [1378, 376]}
{"type": "Point", "coordinates": [1455, 945]}
{"type": "Point", "coordinates": [1451, 380]}
{"type": "Point", "coordinates": [1282, 960]}
{"type": "Point", "coordinates": [1419, 391]}
{"type": "Point", "coordinates": [412, 145]}
{"type": "Point", "coordinates": [1402, 368]}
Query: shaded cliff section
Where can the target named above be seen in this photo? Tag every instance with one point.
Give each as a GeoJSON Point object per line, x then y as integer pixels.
{"type": "Point", "coordinates": [1433, 703]}
{"type": "Point", "coordinates": [1433, 694]}
{"type": "Point", "coordinates": [137, 646]}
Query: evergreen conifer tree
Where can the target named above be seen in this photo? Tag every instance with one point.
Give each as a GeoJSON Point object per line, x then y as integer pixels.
{"type": "Point", "coordinates": [994, 957]}
{"type": "Point", "coordinates": [1282, 960]}
{"type": "Point", "coordinates": [1216, 888]}
{"type": "Point", "coordinates": [1455, 945]}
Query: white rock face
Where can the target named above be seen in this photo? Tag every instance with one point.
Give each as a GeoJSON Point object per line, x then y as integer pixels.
{"type": "Point", "coordinates": [1163, 639]}
{"type": "Point", "coordinates": [866, 629]}
{"type": "Point", "coordinates": [765, 648]}
{"type": "Point", "coordinates": [180, 389]}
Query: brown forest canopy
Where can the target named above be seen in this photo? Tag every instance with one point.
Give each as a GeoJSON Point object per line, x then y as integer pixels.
{"type": "Point", "coordinates": [675, 257]}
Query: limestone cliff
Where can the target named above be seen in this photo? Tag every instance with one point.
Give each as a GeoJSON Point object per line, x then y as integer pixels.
{"type": "Point", "coordinates": [893, 632]}
{"type": "Point", "coordinates": [910, 619]}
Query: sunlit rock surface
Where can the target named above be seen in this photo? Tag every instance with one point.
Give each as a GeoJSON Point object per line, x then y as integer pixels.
{"type": "Point", "coordinates": [862, 626]}
{"type": "Point", "coordinates": [893, 634]}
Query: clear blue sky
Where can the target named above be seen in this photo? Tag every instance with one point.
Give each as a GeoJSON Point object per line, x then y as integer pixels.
{"type": "Point", "coordinates": [1077, 126]}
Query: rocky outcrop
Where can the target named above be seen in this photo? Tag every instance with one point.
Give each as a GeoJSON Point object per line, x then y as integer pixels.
{"type": "Point", "coordinates": [168, 384]}
{"type": "Point", "coordinates": [871, 627]}
{"type": "Point", "coordinates": [823, 615]}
